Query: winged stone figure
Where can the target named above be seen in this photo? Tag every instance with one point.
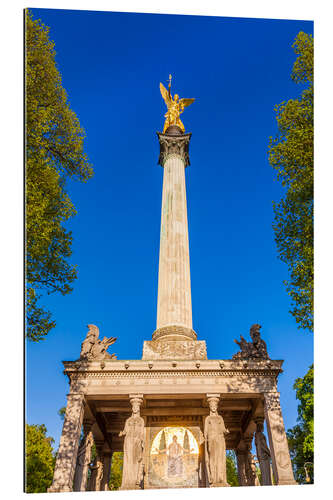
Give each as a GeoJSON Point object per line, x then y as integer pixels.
{"type": "Point", "coordinates": [175, 107]}
{"type": "Point", "coordinates": [92, 348]}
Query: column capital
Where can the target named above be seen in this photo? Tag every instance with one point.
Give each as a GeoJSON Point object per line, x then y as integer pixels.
{"type": "Point", "coordinates": [259, 421]}
{"type": "Point", "coordinates": [136, 401]}
{"type": "Point", "coordinates": [213, 396]}
{"type": "Point", "coordinates": [136, 398]}
{"type": "Point", "coordinates": [174, 145]}
{"type": "Point", "coordinates": [248, 442]}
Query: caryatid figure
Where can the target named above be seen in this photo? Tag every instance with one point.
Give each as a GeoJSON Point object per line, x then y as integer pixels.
{"type": "Point", "coordinates": [133, 448]}
{"type": "Point", "coordinates": [263, 454]}
{"type": "Point", "coordinates": [215, 447]}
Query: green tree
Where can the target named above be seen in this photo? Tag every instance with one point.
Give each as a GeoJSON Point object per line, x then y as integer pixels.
{"type": "Point", "coordinates": [116, 470]}
{"type": "Point", "coordinates": [61, 412]}
{"type": "Point", "coordinates": [291, 155]}
{"type": "Point", "coordinates": [301, 436]}
{"type": "Point", "coordinates": [54, 153]}
{"type": "Point", "coordinates": [39, 459]}
{"type": "Point", "coordinates": [232, 476]}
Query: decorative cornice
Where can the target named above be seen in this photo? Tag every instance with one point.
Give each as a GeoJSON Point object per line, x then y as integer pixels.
{"type": "Point", "coordinates": [172, 145]}
{"type": "Point", "coordinates": [175, 373]}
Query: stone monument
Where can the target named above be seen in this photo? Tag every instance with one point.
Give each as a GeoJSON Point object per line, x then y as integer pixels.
{"type": "Point", "coordinates": [175, 412]}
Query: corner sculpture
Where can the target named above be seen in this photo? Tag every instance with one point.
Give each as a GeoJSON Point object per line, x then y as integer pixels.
{"type": "Point", "coordinates": [94, 349]}
{"type": "Point", "coordinates": [175, 107]}
{"type": "Point", "coordinates": [215, 448]}
{"type": "Point", "coordinates": [256, 349]}
{"type": "Point", "coordinates": [133, 467]}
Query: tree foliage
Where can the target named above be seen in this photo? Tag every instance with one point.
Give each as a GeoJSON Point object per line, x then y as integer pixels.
{"type": "Point", "coordinates": [116, 470]}
{"type": "Point", "coordinates": [232, 476]}
{"type": "Point", "coordinates": [54, 153]}
{"type": "Point", "coordinates": [301, 436]}
{"type": "Point", "coordinates": [61, 412]}
{"type": "Point", "coordinates": [291, 155]}
{"type": "Point", "coordinates": [39, 459]}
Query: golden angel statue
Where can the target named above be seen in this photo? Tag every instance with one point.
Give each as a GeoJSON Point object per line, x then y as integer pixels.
{"type": "Point", "coordinates": [175, 107]}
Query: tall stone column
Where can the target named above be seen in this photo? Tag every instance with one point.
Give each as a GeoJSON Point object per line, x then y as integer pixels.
{"type": "Point", "coordinates": [174, 307]}
{"type": "Point", "coordinates": [69, 442]}
{"type": "Point", "coordinates": [241, 467]}
{"type": "Point", "coordinates": [107, 458]}
{"type": "Point", "coordinates": [84, 457]}
{"type": "Point", "coordinates": [281, 462]}
{"type": "Point", "coordinates": [97, 469]}
{"type": "Point", "coordinates": [250, 467]}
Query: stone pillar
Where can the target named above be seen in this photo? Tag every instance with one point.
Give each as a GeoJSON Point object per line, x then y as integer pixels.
{"type": "Point", "coordinates": [281, 462]}
{"type": "Point", "coordinates": [97, 469]}
{"type": "Point", "coordinates": [241, 462]}
{"type": "Point", "coordinates": [84, 457]}
{"type": "Point", "coordinates": [250, 466]}
{"type": "Point", "coordinates": [174, 307]}
{"type": "Point", "coordinates": [263, 453]}
{"type": "Point", "coordinates": [107, 458]}
{"type": "Point", "coordinates": [69, 442]}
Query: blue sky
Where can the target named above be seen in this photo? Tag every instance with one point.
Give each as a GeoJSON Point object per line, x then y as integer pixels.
{"type": "Point", "coordinates": [237, 69]}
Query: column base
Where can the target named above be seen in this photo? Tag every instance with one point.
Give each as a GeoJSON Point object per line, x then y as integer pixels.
{"type": "Point", "coordinates": [218, 485]}
{"type": "Point", "coordinates": [59, 489]}
{"type": "Point", "coordinates": [174, 332]}
{"type": "Point", "coordinates": [136, 487]}
{"type": "Point", "coordinates": [287, 483]}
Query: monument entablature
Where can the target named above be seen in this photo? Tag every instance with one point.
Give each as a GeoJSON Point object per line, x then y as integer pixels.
{"type": "Point", "coordinates": [175, 412]}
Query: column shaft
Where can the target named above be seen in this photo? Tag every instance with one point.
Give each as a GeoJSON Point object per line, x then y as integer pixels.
{"type": "Point", "coordinates": [174, 305]}
{"type": "Point", "coordinates": [69, 443]}
{"type": "Point", "coordinates": [241, 470]}
{"type": "Point", "coordinates": [107, 458]}
{"type": "Point", "coordinates": [281, 461]}
{"type": "Point", "coordinates": [83, 461]}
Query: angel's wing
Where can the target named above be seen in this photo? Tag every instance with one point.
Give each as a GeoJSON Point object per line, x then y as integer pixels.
{"type": "Point", "coordinates": [165, 95]}
{"type": "Point", "coordinates": [186, 102]}
{"type": "Point", "coordinates": [109, 341]}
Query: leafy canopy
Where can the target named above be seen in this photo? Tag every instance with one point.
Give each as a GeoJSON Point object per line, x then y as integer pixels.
{"type": "Point", "coordinates": [54, 153]}
{"type": "Point", "coordinates": [116, 470]}
{"type": "Point", "coordinates": [232, 476]}
{"type": "Point", "coordinates": [291, 155]}
{"type": "Point", "coordinates": [301, 436]}
{"type": "Point", "coordinates": [39, 459]}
